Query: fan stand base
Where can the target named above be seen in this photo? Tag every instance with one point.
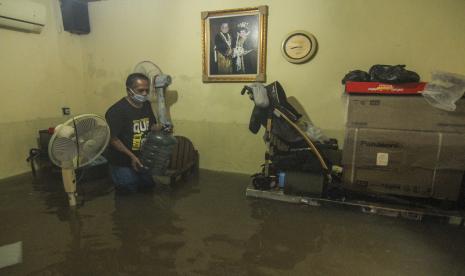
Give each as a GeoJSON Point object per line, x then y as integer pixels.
{"type": "Point", "coordinates": [69, 182]}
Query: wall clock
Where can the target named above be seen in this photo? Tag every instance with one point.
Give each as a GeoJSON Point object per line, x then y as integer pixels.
{"type": "Point", "coordinates": [299, 46]}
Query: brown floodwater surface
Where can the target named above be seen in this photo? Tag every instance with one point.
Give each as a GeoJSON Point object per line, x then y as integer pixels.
{"type": "Point", "coordinates": [206, 226]}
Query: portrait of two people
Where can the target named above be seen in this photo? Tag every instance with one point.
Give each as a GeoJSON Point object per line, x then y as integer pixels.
{"type": "Point", "coordinates": [234, 45]}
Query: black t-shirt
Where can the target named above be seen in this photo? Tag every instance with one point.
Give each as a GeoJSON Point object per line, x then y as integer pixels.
{"type": "Point", "coordinates": [130, 125]}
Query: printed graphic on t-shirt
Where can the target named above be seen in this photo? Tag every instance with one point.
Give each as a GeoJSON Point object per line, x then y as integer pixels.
{"type": "Point", "coordinates": [140, 128]}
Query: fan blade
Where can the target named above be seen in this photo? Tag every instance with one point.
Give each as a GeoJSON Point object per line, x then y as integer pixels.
{"type": "Point", "coordinates": [91, 144]}
{"type": "Point", "coordinates": [89, 148]}
{"type": "Point", "coordinates": [85, 125]}
{"type": "Point", "coordinates": [99, 135]}
{"type": "Point", "coordinates": [149, 69]}
{"type": "Point", "coordinates": [98, 132]}
{"type": "Point", "coordinates": [63, 149]}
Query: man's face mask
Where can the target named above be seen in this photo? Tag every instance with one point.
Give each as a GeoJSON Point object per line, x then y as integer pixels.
{"type": "Point", "coordinates": [137, 97]}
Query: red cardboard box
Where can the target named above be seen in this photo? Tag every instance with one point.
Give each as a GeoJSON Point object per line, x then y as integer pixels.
{"type": "Point", "coordinates": [380, 88]}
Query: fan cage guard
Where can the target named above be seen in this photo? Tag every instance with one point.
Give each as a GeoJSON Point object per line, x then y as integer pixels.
{"type": "Point", "coordinates": [79, 141]}
{"type": "Point", "coordinates": [150, 70]}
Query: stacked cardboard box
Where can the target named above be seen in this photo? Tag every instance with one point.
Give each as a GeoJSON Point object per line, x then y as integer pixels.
{"type": "Point", "coordinates": [401, 145]}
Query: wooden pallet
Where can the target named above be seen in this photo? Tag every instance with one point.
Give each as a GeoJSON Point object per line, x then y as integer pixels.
{"type": "Point", "coordinates": [391, 210]}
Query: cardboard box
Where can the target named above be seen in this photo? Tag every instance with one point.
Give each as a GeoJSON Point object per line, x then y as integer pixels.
{"type": "Point", "coordinates": [403, 112]}
{"type": "Point", "coordinates": [399, 162]}
{"type": "Point", "coordinates": [354, 87]}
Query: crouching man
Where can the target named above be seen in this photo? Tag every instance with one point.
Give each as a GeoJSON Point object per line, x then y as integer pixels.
{"type": "Point", "coordinates": [130, 120]}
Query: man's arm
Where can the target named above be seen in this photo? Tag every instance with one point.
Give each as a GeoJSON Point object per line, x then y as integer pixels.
{"type": "Point", "coordinates": [118, 145]}
{"type": "Point", "coordinates": [155, 127]}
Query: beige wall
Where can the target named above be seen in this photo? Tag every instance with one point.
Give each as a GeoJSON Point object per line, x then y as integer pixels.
{"type": "Point", "coordinates": [424, 34]}
{"type": "Point", "coordinates": [39, 73]}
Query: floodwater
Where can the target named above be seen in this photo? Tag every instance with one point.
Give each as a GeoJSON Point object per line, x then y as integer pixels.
{"type": "Point", "coordinates": [207, 226]}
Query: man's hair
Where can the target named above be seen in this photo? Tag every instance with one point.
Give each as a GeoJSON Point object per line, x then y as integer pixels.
{"type": "Point", "coordinates": [132, 78]}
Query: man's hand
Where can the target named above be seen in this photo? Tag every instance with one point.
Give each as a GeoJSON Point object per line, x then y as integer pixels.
{"type": "Point", "coordinates": [156, 127]}
{"type": "Point", "coordinates": [168, 129]}
{"type": "Point", "coordinates": [164, 128]}
{"type": "Point", "coordinates": [136, 164]}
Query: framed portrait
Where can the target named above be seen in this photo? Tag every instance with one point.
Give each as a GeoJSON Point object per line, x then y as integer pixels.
{"type": "Point", "coordinates": [234, 45]}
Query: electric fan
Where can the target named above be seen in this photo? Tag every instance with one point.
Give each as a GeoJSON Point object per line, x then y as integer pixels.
{"type": "Point", "coordinates": [76, 143]}
{"type": "Point", "coordinates": [159, 82]}
{"type": "Point", "coordinates": [158, 146]}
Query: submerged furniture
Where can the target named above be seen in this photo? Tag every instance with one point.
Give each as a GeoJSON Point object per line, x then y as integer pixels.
{"type": "Point", "coordinates": [184, 160]}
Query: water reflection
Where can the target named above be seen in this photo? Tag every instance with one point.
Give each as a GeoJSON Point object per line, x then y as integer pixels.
{"type": "Point", "coordinates": [207, 227]}
{"type": "Point", "coordinates": [113, 234]}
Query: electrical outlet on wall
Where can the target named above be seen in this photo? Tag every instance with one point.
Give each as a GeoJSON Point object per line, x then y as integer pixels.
{"type": "Point", "coordinates": [66, 110]}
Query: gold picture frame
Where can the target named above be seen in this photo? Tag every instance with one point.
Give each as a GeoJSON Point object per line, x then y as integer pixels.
{"type": "Point", "coordinates": [234, 45]}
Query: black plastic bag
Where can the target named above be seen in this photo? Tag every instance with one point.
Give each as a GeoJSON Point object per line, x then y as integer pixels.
{"type": "Point", "coordinates": [356, 75]}
{"type": "Point", "coordinates": [392, 74]}
{"type": "Point", "coordinates": [257, 119]}
{"type": "Point", "coordinates": [262, 182]}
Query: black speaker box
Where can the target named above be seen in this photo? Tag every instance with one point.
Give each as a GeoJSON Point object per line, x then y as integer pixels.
{"type": "Point", "coordinates": [75, 15]}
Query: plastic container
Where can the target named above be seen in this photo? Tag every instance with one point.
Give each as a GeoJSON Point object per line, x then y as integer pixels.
{"type": "Point", "coordinates": [281, 179]}
{"type": "Point", "coordinates": [156, 152]}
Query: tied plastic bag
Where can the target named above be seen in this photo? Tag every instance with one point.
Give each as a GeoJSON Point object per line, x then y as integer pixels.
{"type": "Point", "coordinates": [392, 74]}
{"type": "Point", "coordinates": [444, 90]}
{"type": "Point", "coordinates": [313, 132]}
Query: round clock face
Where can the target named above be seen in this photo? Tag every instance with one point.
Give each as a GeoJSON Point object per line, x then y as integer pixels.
{"type": "Point", "coordinates": [299, 47]}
